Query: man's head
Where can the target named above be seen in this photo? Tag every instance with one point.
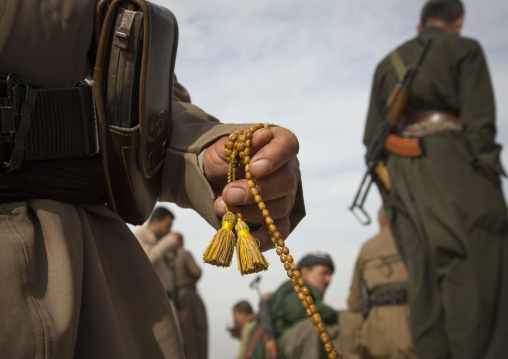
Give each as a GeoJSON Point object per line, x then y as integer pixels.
{"type": "Point", "coordinates": [161, 221]}
{"type": "Point", "coordinates": [445, 14]}
{"type": "Point", "coordinates": [242, 313]}
{"type": "Point", "coordinates": [317, 269]}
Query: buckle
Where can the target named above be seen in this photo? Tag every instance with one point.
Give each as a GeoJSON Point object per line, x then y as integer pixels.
{"type": "Point", "coordinates": [18, 136]}
{"type": "Point", "coordinates": [7, 117]}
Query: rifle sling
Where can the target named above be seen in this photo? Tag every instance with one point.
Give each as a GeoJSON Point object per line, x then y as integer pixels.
{"type": "Point", "coordinates": [398, 63]}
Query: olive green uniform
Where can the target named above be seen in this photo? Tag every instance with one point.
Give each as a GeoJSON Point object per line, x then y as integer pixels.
{"type": "Point", "coordinates": [287, 314]}
{"type": "Point", "coordinates": [449, 220]}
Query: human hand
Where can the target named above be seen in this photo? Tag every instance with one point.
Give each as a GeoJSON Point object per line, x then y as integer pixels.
{"type": "Point", "coordinates": [489, 172]}
{"type": "Point", "coordinates": [266, 295]}
{"type": "Point", "coordinates": [235, 331]}
{"type": "Point", "coordinates": [182, 316]}
{"type": "Point", "coordinates": [275, 169]}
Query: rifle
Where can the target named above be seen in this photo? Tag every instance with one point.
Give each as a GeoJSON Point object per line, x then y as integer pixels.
{"type": "Point", "coordinates": [365, 298]}
{"type": "Point", "coordinates": [269, 340]}
{"type": "Point", "coordinates": [376, 153]}
{"type": "Point", "coordinates": [265, 322]}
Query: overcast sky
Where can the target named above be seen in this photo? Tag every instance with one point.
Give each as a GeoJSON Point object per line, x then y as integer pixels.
{"type": "Point", "coordinates": [307, 66]}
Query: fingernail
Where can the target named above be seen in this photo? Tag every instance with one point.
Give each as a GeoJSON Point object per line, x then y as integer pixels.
{"type": "Point", "coordinates": [235, 195]}
{"type": "Point", "coordinates": [221, 207]}
{"type": "Point", "coordinates": [260, 167]}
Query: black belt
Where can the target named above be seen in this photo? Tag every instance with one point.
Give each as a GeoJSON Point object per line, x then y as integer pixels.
{"type": "Point", "coordinates": [186, 286]}
{"type": "Point", "coordinates": [38, 124]}
{"type": "Point", "coordinates": [393, 296]}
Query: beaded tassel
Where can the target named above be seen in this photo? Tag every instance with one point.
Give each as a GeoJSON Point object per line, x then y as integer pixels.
{"type": "Point", "coordinates": [220, 250]}
{"type": "Point", "coordinates": [250, 259]}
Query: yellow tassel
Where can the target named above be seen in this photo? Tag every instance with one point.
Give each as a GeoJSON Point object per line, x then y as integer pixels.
{"type": "Point", "coordinates": [250, 259]}
{"type": "Point", "coordinates": [220, 250]}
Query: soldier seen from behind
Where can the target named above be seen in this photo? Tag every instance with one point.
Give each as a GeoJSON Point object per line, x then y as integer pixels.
{"type": "Point", "coordinates": [445, 206]}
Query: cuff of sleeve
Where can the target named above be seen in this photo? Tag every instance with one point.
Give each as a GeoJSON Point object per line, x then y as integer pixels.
{"type": "Point", "coordinates": [298, 211]}
{"type": "Point", "coordinates": [183, 179]}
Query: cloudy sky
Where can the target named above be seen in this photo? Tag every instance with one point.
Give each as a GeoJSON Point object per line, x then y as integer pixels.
{"type": "Point", "coordinates": [307, 66]}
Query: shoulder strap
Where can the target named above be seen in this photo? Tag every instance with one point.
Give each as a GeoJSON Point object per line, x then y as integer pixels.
{"type": "Point", "coordinates": [397, 63]}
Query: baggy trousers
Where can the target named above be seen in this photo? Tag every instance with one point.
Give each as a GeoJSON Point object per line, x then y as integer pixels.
{"type": "Point", "coordinates": [75, 283]}
{"type": "Point", "coordinates": [450, 225]}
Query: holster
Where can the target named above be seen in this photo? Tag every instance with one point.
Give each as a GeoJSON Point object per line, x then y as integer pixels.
{"type": "Point", "coordinates": [133, 88]}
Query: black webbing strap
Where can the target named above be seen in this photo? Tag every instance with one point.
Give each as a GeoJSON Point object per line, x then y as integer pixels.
{"type": "Point", "coordinates": [394, 296]}
{"type": "Point", "coordinates": [49, 123]}
{"type": "Point", "coordinates": [60, 127]}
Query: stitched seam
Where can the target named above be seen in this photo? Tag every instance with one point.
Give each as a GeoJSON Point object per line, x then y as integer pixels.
{"type": "Point", "coordinates": [127, 171]}
{"type": "Point", "coordinates": [120, 133]}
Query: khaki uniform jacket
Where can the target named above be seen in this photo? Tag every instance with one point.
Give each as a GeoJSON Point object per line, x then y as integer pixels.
{"type": "Point", "coordinates": [156, 251]}
{"type": "Point", "coordinates": [385, 331]}
{"type": "Point", "coordinates": [76, 281]}
{"type": "Point", "coordinates": [60, 33]}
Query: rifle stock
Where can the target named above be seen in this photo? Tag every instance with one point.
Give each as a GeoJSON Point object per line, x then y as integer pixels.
{"type": "Point", "coordinates": [397, 103]}
{"type": "Point", "coordinates": [376, 154]}
{"type": "Point", "coordinates": [269, 341]}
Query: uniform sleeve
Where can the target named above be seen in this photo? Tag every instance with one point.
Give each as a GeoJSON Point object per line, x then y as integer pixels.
{"type": "Point", "coordinates": [191, 267]}
{"type": "Point", "coordinates": [328, 314]}
{"type": "Point", "coordinates": [183, 181]}
{"type": "Point", "coordinates": [354, 300]}
{"type": "Point", "coordinates": [376, 107]}
{"type": "Point", "coordinates": [477, 108]}
{"type": "Point", "coordinates": [285, 308]}
{"type": "Point", "coordinates": [157, 251]}
{"type": "Point", "coordinates": [192, 131]}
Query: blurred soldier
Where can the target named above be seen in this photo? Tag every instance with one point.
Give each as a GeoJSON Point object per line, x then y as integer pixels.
{"type": "Point", "coordinates": [194, 325]}
{"type": "Point", "coordinates": [157, 241]}
{"type": "Point", "coordinates": [378, 325]}
{"type": "Point", "coordinates": [244, 321]}
{"type": "Point", "coordinates": [296, 336]}
{"type": "Point", "coordinates": [446, 208]}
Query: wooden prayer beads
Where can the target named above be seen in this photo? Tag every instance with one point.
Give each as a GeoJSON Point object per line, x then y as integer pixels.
{"type": "Point", "coordinates": [250, 260]}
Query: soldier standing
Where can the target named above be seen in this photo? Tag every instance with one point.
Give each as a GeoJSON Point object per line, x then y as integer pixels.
{"type": "Point", "coordinates": [75, 281]}
{"type": "Point", "coordinates": [158, 241]}
{"type": "Point", "coordinates": [195, 324]}
{"type": "Point", "coordinates": [376, 324]}
{"type": "Point", "coordinates": [446, 208]}
{"type": "Point", "coordinates": [296, 336]}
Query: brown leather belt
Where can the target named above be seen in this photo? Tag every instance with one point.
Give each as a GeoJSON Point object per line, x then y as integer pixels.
{"type": "Point", "coordinates": [427, 116]}
{"type": "Point", "coordinates": [418, 124]}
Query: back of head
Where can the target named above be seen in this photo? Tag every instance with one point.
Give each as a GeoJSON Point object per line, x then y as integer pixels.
{"type": "Point", "coordinates": [243, 307]}
{"type": "Point", "coordinates": [160, 213]}
{"type": "Point", "coordinates": [315, 258]}
{"type": "Point", "coordinates": [444, 10]}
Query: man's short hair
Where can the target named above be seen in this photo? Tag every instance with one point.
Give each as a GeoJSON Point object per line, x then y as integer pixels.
{"type": "Point", "coordinates": [160, 213]}
{"type": "Point", "coordinates": [243, 307]}
{"type": "Point", "coordinates": [446, 10]}
{"type": "Point", "coordinates": [314, 258]}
